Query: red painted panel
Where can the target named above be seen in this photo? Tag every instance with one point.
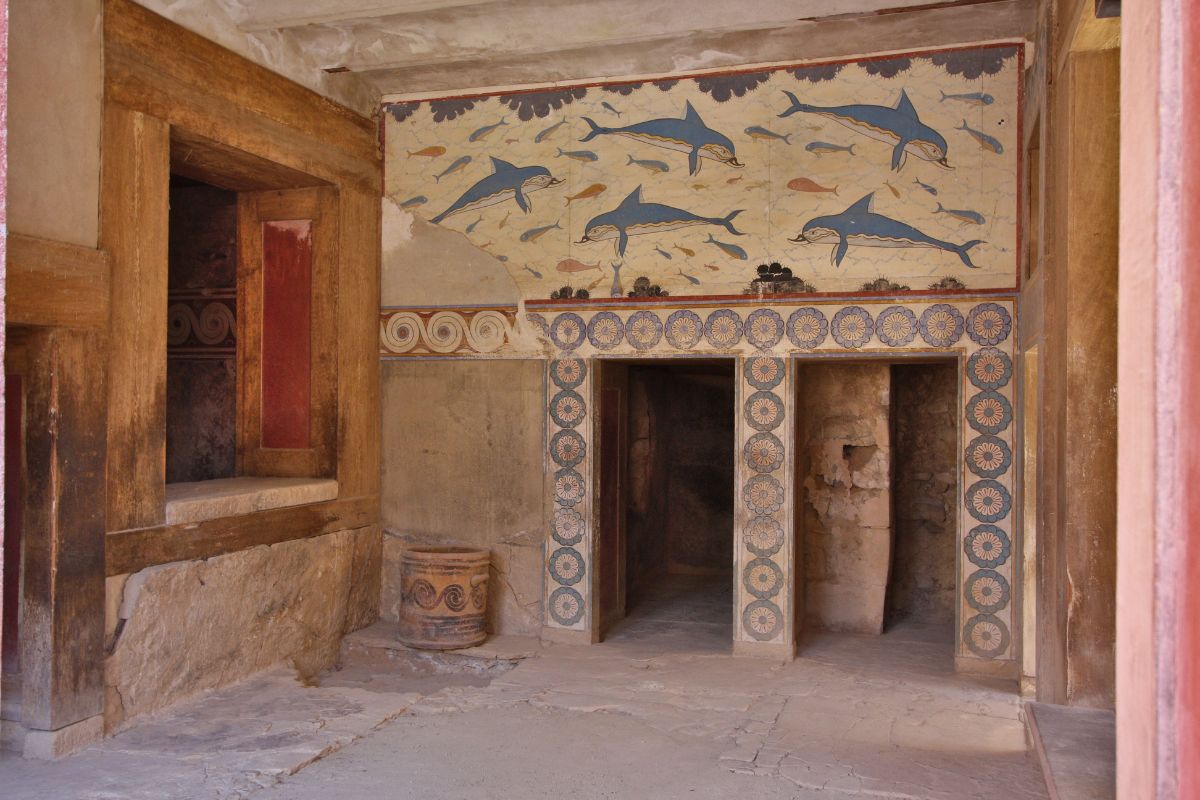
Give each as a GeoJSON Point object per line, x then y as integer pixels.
{"type": "Point", "coordinates": [1187, 650]}
{"type": "Point", "coordinates": [287, 333]}
{"type": "Point", "coordinates": [13, 508]}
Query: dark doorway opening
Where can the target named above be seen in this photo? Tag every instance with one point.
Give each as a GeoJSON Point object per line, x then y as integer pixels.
{"type": "Point", "coordinates": [201, 336]}
{"type": "Point", "coordinates": [876, 485]}
{"type": "Point", "coordinates": [666, 502]}
{"type": "Point", "coordinates": [924, 423]}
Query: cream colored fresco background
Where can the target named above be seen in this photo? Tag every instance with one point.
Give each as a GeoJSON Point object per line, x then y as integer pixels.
{"type": "Point", "coordinates": [982, 181]}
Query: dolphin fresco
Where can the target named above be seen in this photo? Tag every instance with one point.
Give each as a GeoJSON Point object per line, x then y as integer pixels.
{"type": "Point", "coordinates": [506, 181]}
{"type": "Point", "coordinates": [858, 225]}
{"type": "Point", "coordinates": [688, 135]}
{"type": "Point", "coordinates": [634, 217]}
{"type": "Point", "coordinates": [899, 126]}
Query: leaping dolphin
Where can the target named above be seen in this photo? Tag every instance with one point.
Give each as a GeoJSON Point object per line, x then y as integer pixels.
{"type": "Point", "coordinates": [859, 225]}
{"type": "Point", "coordinates": [688, 135]}
{"type": "Point", "coordinates": [899, 126]}
{"type": "Point", "coordinates": [505, 181]}
{"type": "Point", "coordinates": [633, 217]}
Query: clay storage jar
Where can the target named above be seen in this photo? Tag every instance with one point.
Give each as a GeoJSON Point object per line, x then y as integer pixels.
{"type": "Point", "coordinates": [443, 603]}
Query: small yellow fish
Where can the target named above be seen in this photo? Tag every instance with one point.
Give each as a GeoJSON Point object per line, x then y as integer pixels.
{"type": "Point", "coordinates": [686, 251]}
{"type": "Point", "coordinates": [432, 151]}
{"type": "Point", "coordinates": [591, 191]}
{"type": "Point", "coordinates": [596, 282]}
{"type": "Point", "coordinates": [504, 221]}
{"type": "Point", "coordinates": [699, 186]}
{"type": "Point", "coordinates": [713, 267]}
{"type": "Point", "coordinates": [895, 191]}
{"type": "Point", "coordinates": [734, 180]}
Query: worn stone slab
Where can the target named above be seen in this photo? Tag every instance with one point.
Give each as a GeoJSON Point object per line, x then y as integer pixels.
{"type": "Point", "coordinates": [386, 635]}
{"type": "Point", "coordinates": [195, 501]}
{"type": "Point", "coordinates": [1077, 749]}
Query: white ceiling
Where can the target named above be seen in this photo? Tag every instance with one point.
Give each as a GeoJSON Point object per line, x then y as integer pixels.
{"type": "Point", "coordinates": [404, 47]}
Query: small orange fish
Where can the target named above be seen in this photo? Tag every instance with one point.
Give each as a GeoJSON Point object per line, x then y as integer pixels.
{"type": "Point", "coordinates": [596, 282]}
{"type": "Point", "coordinates": [685, 250]}
{"type": "Point", "coordinates": [807, 185]}
{"type": "Point", "coordinates": [504, 221]}
{"type": "Point", "coordinates": [591, 191]}
{"type": "Point", "coordinates": [699, 186]}
{"type": "Point", "coordinates": [895, 191]}
{"type": "Point", "coordinates": [432, 151]}
{"type": "Point", "coordinates": [713, 267]}
{"type": "Point", "coordinates": [734, 180]}
{"type": "Point", "coordinates": [571, 265]}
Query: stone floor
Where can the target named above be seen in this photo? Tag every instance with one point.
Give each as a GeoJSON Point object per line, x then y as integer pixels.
{"type": "Point", "coordinates": [659, 710]}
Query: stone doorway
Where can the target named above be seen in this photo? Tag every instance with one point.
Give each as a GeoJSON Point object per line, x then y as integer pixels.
{"type": "Point", "coordinates": [666, 497]}
{"type": "Point", "coordinates": [876, 477]}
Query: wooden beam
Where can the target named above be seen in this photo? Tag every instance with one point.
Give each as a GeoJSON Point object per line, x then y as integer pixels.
{"type": "Point", "coordinates": [157, 67]}
{"type": "Point", "coordinates": [54, 283]}
{"type": "Point", "coordinates": [210, 162]}
{"type": "Point", "coordinates": [132, 550]}
{"type": "Point", "coordinates": [62, 624]}
{"type": "Point", "coordinates": [134, 205]}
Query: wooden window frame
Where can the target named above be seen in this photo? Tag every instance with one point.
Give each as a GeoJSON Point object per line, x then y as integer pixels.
{"type": "Point", "coordinates": [318, 460]}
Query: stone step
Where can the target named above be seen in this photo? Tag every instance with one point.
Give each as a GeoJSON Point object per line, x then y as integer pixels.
{"type": "Point", "coordinates": [383, 640]}
{"type": "Point", "coordinates": [1077, 748]}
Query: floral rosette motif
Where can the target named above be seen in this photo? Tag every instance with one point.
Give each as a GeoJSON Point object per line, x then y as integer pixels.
{"type": "Point", "coordinates": [567, 408]}
{"type": "Point", "coordinates": [644, 330]}
{"type": "Point", "coordinates": [807, 328]}
{"type": "Point", "coordinates": [763, 452]}
{"type": "Point", "coordinates": [763, 494]}
{"type": "Point", "coordinates": [986, 635]}
{"type": "Point", "coordinates": [762, 578]}
{"type": "Point", "coordinates": [941, 325]}
{"type": "Point", "coordinates": [852, 327]}
{"type": "Point", "coordinates": [723, 329]}
{"type": "Point", "coordinates": [684, 329]}
{"type": "Point", "coordinates": [568, 526]}
{"type": "Point", "coordinates": [989, 412]}
{"type": "Point", "coordinates": [988, 456]}
{"type": "Point", "coordinates": [764, 411]}
{"type": "Point", "coordinates": [987, 591]}
{"type": "Point", "coordinates": [567, 373]}
{"type": "Point", "coordinates": [987, 546]}
{"type": "Point", "coordinates": [989, 368]}
{"type": "Point", "coordinates": [764, 372]}
{"type": "Point", "coordinates": [988, 501]}
{"type": "Point", "coordinates": [567, 448]}
{"type": "Point", "coordinates": [764, 328]}
{"type": "Point", "coordinates": [896, 326]}
{"type": "Point", "coordinates": [605, 330]}
{"type": "Point", "coordinates": [566, 565]}
{"type": "Point", "coordinates": [988, 324]}
{"type": "Point", "coordinates": [568, 487]}
{"type": "Point", "coordinates": [762, 619]}
{"type": "Point", "coordinates": [566, 606]}
{"type": "Point", "coordinates": [763, 536]}
{"type": "Point", "coordinates": [568, 331]}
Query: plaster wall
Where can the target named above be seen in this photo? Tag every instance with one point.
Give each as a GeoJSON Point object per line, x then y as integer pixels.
{"type": "Point", "coordinates": [178, 629]}
{"type": "Point", "coordinates": [54, 107]}
{"type": "Point", "coordinates": [844, 447]}
{"type": "Point", "coordinates": [462, 464]}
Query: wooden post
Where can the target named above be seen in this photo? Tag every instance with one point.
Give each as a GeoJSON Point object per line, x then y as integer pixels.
{"type": "Point", "coordinates": [63, 598]}
{"type": "Point", "coordinates": [133, 229]}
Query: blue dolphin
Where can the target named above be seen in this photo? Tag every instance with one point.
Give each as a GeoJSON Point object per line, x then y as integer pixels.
{"type": "Point", "coordinates": [633, 217]}
{"type": "Point", "coordinates": [505, 181]}
{"type": "Point", "coordinates": [859, 225]}
{"type": "Point", "coordinates": [899, 126]}
{"type": "Point", "coordinates": [688, 135]}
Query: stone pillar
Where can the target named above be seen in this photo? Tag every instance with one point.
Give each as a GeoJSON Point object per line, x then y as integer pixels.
{"type": "Point", "coordinates": [764, 550]}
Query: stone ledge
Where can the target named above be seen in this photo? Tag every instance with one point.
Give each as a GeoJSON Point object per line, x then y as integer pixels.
{"type": "Point", "coordinates": [1077, 750]}
{"type": "Point", "coordinates": [230, 497]}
